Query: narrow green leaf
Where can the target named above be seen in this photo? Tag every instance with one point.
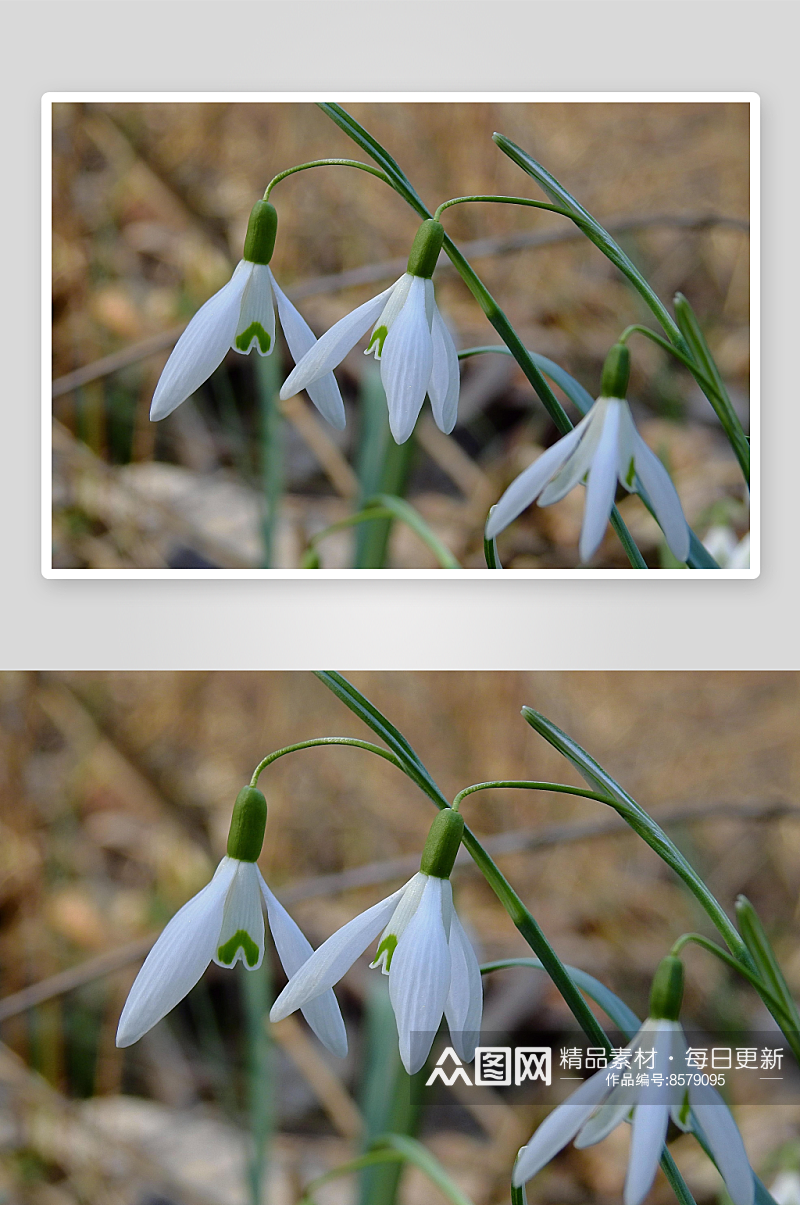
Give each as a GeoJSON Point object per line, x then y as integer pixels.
{"type": "Point", "coordinates": [623, 1017]}
{"type": "Point", "coordinates": [413, 519]}
{"type": "Point", "coordinates": [592, 229]}
{"type": "Point", "coordinates": [414, 1152]}
{"type": "Point", "coordinates": [638, 819]}
{"type": "Point", "coordinates": [382, 467]}
{"type": "Point", "coordinates": [760, 947]}
{"type": "Point", "coordinates": [718, 397]}
{"type": "Point", "coordinates": [390, 1099]}
{"type": "Point", "coordinates": [268, 370]}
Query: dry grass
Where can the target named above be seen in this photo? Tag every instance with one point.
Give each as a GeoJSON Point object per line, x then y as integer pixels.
{"type": "Point", "coordinates": [150, 206]}
{"type": "Point", "coordinates": [115, 795]}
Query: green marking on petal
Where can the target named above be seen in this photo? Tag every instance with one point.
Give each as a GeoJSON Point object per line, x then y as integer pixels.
{"type": "Point", "coordinates": [378, 336]}
{"type": "Point", "coordinates": [254, 331]}
{"type": "Point", "coordinates": [242, 940]}
{"type": "Point", "coordinates": [631, 473]}
{"type": "Point", "coordinates": [683, 1113]}
{"type": "Point", "coordinates": [385, 951]}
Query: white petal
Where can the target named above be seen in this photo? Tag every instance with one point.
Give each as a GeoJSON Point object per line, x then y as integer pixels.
{"type": "Point", "coordinates": [601, 1123]}
{"type": "Point", "coordinates": [396, 300]}
{"type": "Point", "coordinates": [294, 949]}
{"type": "Point", "coordinates": [202, 347]}
{"type": "Point", "coordinates": [581, 459]}
{"type": "Point", "coordinates": [647, 1143]}
{"type": "Point", "coordinates": [419, 978]}
{"type": "Point", "coordinates": [406, 362]}
{"type": "Point", "coordinates": [332, 347]}
{"type": "Point", "coordinates": [178, 959]}
{"type": "Point", "coordinates": [602, 484]}
{"type": "Point", "coordinates": [664, 497]}
{"type": "Point", "coordinates": [725, 1142]}
{"type": "Point", "coordinates": [443, 387]}
{"type": "Point", "coordinates": [525, 489]}
{"type": "Point", "coordinates": [464, 1006]}
{"type": "Point", "coordinates": [559, 1127]}
{"type": "Point", "coordinates": [407, 905]}
{"type": "Point", "coordinates": [333, 958]}
{"type": "Point", "coordinates": [242, 934]}
{"type": "Point", "coordinates": [256, 325]}
{"type": "Point", "coordinates": [324, 393]}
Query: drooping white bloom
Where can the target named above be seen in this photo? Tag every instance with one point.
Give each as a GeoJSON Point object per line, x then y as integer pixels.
{"type": "Point", "coordinates": [428, 957]}
{"type": "Point", "coordinates": [596, 1108]}
{"type": "Point", "coordinates": [603, 448]}
{"type": "Point", "coordinates": [409, 338]}
{"type": "Point", "coordinates": [225, 923]}
{"type": "Point", "coordinates": [239, 317]}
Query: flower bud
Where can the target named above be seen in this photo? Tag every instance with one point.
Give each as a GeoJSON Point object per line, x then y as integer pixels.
{"type": "Point", "coordinates": [666, 994]}
{"type": "Point", "coordinates": [442, 844]}
{"type": "Point", "coordinates": [249, 819]}
{"type": "Point", "coordinates": [616, 372]}
{"type": "Point", "coordinates": [425, 249]}
{"type": "Point", "coordinates": [259, 242]}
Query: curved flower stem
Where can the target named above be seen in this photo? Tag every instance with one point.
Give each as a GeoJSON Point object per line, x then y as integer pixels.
{"type": "Point", "coordinates": [699, 557]}
{"type": "Point", "coordinates": [755, 980]}
{"type": "Point", "coordinates": [301, 167]}
{"type": "Point", "coordinates": [525, 785]}
{"type": "Point", "coordinates": [326, 740]}
{"type": "Point", "coordinates": [729, 419]}
{"type": "Point", "coordinates": [484, 298]}
{"type": "Point", "coordinates": [501, 201]}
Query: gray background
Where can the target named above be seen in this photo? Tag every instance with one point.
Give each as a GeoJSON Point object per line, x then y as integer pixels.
{"type": "Point", "coordinates": [498, 46]}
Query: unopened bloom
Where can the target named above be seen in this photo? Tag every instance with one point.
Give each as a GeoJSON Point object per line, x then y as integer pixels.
{"type": "Point", "coordinates": [423, 948]}
{"type": "Point", "coordinates": [409, 338]}
{"type": "Point", "coordinates": [597, 1107]}
{"type": "Point", "coordinates": [239, 317]}
{"type": "Point", "coordinates": [604, 448]}
{"type": "Point", "coordinates": [224, 923]}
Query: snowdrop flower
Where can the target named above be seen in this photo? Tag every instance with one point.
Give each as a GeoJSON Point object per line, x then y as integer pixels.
{"type": "Point", "coordinates": [423, 949]}
{"type": "Point", "coordinates": [409, 338]}
{"type": "Point", "coordinates": [242, 316]}
{"type": "Point", "coordinates": [225, 923]}
{"type": "Point", "coordinates": [604, 448]}
{"type": "Point", "coordinates": [597, 1108]}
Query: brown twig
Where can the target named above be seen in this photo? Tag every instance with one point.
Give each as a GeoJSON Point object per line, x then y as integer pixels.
{"type": "Point", "coordinates": [373, 873]}
{"type": "Point", "coordinates": [371, 273]}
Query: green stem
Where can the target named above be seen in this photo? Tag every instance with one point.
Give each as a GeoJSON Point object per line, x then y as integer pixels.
{"type": "Point", "coordinates": [775, 1006]}
{"type": "Point", "coordinates": [513, 905]}
{"type": "Point", "coordinates": [484, 298]}
{"type": "Point", "coordinates": [490, 554]}
{"type": "Point", "coordinates": [727, 416]}
{"type": "Point", "coordinates": [325, 740]}
{"type": "Point", "coordinates": [527, 785]}
{"type": "Point", "coordinates": [501, 201]}
{"type": "Point", "coordinates": [301, 167]}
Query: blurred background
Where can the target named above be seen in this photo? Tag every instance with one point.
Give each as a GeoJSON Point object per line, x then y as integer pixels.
{"type": "Point", "coordinates": [150, 207]}
{"type": "Point", "coordinates": [115, 796]}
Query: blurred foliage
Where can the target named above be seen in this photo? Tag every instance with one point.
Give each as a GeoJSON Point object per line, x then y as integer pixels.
{"type": "Point", "coordinates": [115, 796]}
{"type": "Point", "coordinates": [150, 206]}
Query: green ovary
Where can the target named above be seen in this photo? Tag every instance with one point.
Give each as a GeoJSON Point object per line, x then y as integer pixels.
{"type": "Point", "coordinates": [631, 474]}
{"type": "Point", "coordinates": [242, 940]}
{"type": "Point", "coordinates": [385, 951]}
{"type": "Point", "coordinates": [378, 337]}
{"type": "Point", "coordinates": [254, 331]}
